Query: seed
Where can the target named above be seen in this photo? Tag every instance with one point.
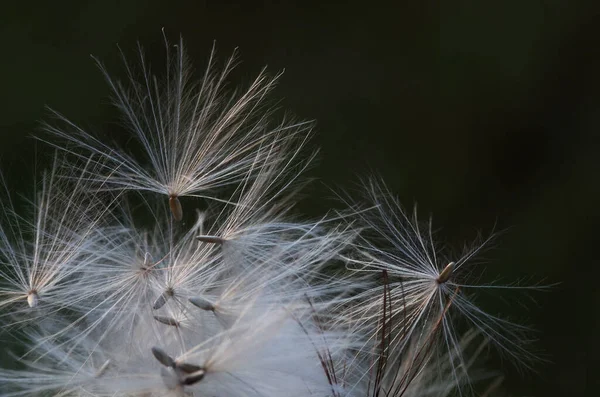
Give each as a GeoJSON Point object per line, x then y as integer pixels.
{"type": "Point", "coordinates": [163, 357]}
{"type": "Point", "coordinates": [446, 273]}
{"type": "Point", "coordinates": [193, 378]}
{"type": "Point", "coordinates": [176, 209]}
{"type": "Point", "coordinates": [202, 303]}
{"type": "Point", "coordinates": [33, 298]}
{"type": "Point", "coordinates": [211, 239]}
{"type": "Point", "coordinates": [188, 368]}
{"type": "Point", "coordinates": [162, 299]}
{"type": "Point", "coordinates": [167, 320]}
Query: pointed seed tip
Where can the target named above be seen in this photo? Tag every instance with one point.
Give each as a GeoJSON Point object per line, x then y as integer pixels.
{"type": "Point", "coordinates": [446, 273]}
{"type": "Point", "coordinates": [162, 357]}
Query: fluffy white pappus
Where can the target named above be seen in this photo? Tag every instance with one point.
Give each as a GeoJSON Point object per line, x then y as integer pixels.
{"type": "Point", "coordinates": [247, 299]}
{"type": "Point", "coordinates": [197, 136]}
{"type": "Point", "coordinates": [259, 217]}
{"type": "Point", "coordinates": [280, 351]}
{"type": "Point", "coordinates": [89, 368]}
{"type": "Point", "coordinates": [250, 308]}
{"type": "Point", "coordinates": [269, 350]}
{"type": "Point", "coordinates": [136, 272]}
{"type": "Point", "coordinates": [294, 266]}
{"type": "Point", "coordinates": [263, 247]}
{"type": "Point", "coordinates": [419, 285]}
{"type": "Point", "coordinates": [42, 255]}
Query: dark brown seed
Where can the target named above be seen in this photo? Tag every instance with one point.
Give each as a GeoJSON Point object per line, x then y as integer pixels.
{"type": "Point", "coordinates": [176, 209]}
{"type": "Point", "coordinates": [167, 320]}
{"type": "Point", "coordinates": [163, 357]}
{"type": "Point", "coordinates": [188, 368]}
{"type": "Point", "coordinates": [193, 378]}
{"type": "Point", "coordinates": [210, 239]}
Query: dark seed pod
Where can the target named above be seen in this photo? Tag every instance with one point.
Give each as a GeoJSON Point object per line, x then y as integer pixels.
{"type": "Point", "coordinates": [202, 303]}
{"type": "Point", "coordinates": [211, 239]}
{"type": "Point", "coordinates": [188, 368]}
{"type": "Point", "coordinates": [176, 209]}
{"type": "Point", "coordinates": [163, 357]}
{"type": "Point", "coordinates": [193, 378]}
{"type": "Point", "coordinates": [162, 299]}
{"type": "Point", "coordinates": [167, 320]}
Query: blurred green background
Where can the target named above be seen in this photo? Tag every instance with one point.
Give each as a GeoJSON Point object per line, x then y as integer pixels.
{"type": "Point", "coordinates": [484, 112]}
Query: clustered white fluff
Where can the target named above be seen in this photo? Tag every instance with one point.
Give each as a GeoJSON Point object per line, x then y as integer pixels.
{"type": "Point", "coordinates": [176, 267]}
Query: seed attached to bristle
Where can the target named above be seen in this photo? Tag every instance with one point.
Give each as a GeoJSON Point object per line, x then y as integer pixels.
{"type": "Point", "coordinates": [211, 239]}
{"type": "Point", "coordinates": [193, 378]}
{"type": "Point", "coordinates": [202, 303]}
{"type": "Point", "coordinates": [176, 209]}
{"type": "Point", "coordinates": [163, 357]}
{"type": "Point", "coordinates": [174, 377]}
{"type": "Point", "coordinates": [162, 299]}
{"type": "Point", "coordinates": [188, 368]}
{"type": "Point", "coordinates": [33, 298]}
{"type": "Point", "coordinates": [167, 320]}
{"type": "Point", "coordinates": [446, 273]}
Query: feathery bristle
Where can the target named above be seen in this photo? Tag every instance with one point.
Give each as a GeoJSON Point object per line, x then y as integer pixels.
{"type": "Point", "coordinates": [123, 295]}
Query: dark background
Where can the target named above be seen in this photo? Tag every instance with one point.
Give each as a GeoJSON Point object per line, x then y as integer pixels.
{"type": "Point", "coordinates": [484, 112]}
